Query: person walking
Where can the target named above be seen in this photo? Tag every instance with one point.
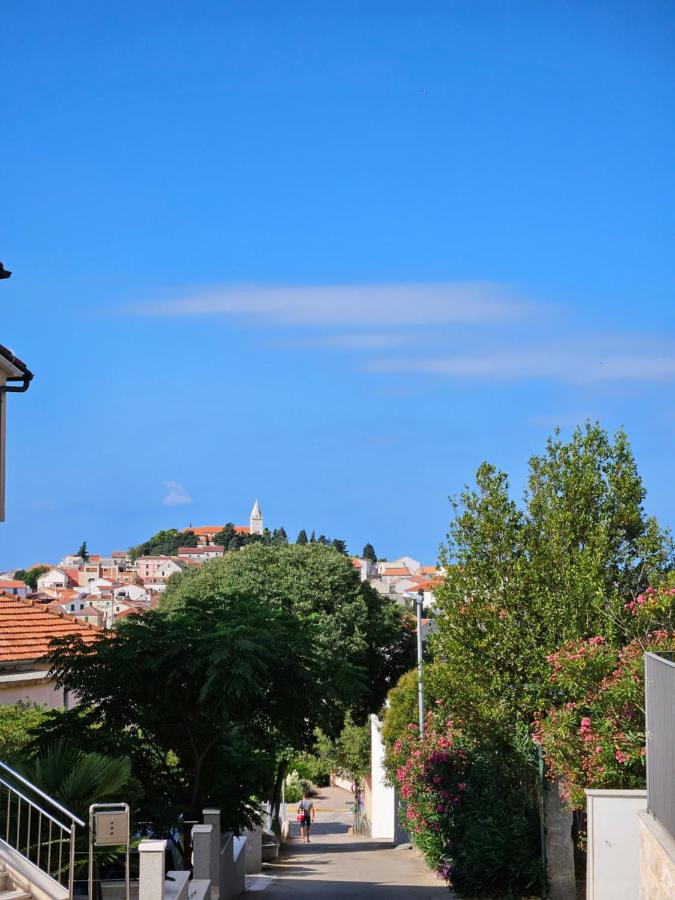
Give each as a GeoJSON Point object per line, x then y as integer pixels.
{"type": "Point", "coordinates": [305, 815]}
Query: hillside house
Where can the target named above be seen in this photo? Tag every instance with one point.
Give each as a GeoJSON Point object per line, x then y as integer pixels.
{"type": "Point", "coordinates": [14, 588]}
{"type": "Point", "coordinates": [58, 578]}
{"type": "Point", "coordinates": [201, 554]}
{"type": "Point", "coordinates": [26, 630]}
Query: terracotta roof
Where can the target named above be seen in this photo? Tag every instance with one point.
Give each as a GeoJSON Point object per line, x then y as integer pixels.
{"type": "Point", "coordinates": [88, 611]}
{"type": "Point", "coordinates": [12, 584]}
{"type": "Point", "coordinates": [428, 570]}
{"type": "Point", "coordinates": [399, 571]}
{"type": "Point", "coordinates": [66, 593]}
{"type": "Point", "coordinates": [356, 563]}
{"type": "Point", "coordinates": [433, 583]}
{"type": "Point", "coordinates": [73, 574]}
{"type": "Point", "coordinates": [206, 530]}
{"type": "Point", "coordinates": [26, 630]}
{"type": "Point", "coordinates": [132, 611]}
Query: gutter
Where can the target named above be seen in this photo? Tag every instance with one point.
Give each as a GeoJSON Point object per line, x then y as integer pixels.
{"type": "Point", "coordinates": [24, 378]}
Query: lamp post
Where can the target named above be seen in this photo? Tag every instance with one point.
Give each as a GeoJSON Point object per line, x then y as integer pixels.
{"type": "Point", "coordinates": [419, 601]}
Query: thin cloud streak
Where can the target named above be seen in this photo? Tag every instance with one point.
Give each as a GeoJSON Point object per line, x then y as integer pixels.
{"type": "Point", "coordinates": [176, 494]}
{"type": "Point", "coordinates": [571, 365]}
{"type": "Point", "coordinates": [350, 305]}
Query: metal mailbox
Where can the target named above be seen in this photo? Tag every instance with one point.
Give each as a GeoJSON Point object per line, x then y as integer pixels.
{"type": "Point", "coordinates": [111, 829]}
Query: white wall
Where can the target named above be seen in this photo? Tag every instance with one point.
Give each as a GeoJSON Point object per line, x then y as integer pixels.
{"type": "Point", "coordinates": [613, 869]}
{"type": "Point", "coordinates": [385, 801]}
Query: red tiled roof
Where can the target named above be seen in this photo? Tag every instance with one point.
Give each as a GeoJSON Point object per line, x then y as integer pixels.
{"type": "Point", "coordinates": [433, 583]}
{"type": "Point", "coordinates": [12, 584]}
{"type": "Point", "coordinates": [26, 630]}
{"type": "Point", "coordinates": [356, 563]}
{"type": "Point", "coordinates": [401, 570]}
{"type": "Point", "coordinates": [210, 530]}
{"type": "Point", "coordinates": [73, 574]}
{"type": "Point", "coordinates": [428, 570]}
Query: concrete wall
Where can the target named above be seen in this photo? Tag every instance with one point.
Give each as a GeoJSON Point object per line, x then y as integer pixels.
{"type": "Point", "coordinates": [19, 686]}
{"type": "Point", "coordinates": [657, 860]}
{"type": "Point", "coordinates": [613, 870]}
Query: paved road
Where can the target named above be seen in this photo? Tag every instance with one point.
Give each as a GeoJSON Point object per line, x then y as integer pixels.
{"type": "Point", "coordinates": [334, 865]}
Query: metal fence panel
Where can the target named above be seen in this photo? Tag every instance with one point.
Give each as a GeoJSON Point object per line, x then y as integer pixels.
{"type": "Point", "coordinates": [660, 709]}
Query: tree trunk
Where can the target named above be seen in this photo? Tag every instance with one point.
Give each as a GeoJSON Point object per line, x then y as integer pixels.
{"type": "Point", "coordinates": [276, 791]}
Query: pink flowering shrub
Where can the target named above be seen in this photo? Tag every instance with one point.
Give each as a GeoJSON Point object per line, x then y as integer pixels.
{"type": "Point", "coordinates": [464, 802]}
{"type": "Point", "coordinates": [595, 737]}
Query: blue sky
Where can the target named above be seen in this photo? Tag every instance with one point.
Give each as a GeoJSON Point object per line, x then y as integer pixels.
{"type": "Point", "coordinates": [330, 255]}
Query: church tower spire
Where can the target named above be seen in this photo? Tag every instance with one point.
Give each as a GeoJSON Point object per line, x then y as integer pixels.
{"type": "Point", "coordinates": [256, 519]}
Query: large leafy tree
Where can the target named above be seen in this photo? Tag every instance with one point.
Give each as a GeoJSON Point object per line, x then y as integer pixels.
{"type": "Point", "coordinates": [199, 698]}
{"type": "Point", "coordinates": [351, 621]}
{"type": "Point", "coordinates": [524, 579]}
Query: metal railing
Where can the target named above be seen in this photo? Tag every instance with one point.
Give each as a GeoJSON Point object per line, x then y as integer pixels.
{"type": "Point", "coordinates": [37, 827]}
{"type": "Point", "coordinates": [660, 726]}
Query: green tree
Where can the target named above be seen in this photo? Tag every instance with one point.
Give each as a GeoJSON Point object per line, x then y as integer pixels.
{"type": "Point", "coordinates": [340, 546]}
{"type": "Point", "coordinates": [17, 723]}
{"type": "Point", "coordinates": [83, 552]}
{"type": "Point", "coordinates": [522, 581]}
{"type": "Point", "coordinates": [369, 553]}
{"type": "Point", "coordinates": [165, 543]}
{"type": "Point", "coordinates": [302, 537]}
{"type": "Point", "coordinates": [231, 668]}
{"type": "Point", "coordinates": [30, 576]}
{"type": "Point", "coordinates": [315, 582]}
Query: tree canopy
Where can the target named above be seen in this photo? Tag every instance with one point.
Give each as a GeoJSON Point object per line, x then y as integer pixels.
{"type": "Point", "coordinates": [30, 576]}
{"type": "Point", "coordinates": [319, 585]}
{"type": "Point", "coordinates": [218, 684]}
{"type": "Point", "coordinates": [523, 580]}
{"type": "Point", "coordinates": [165, 543]}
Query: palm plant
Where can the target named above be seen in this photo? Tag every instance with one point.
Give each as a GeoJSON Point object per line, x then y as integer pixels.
{"type": "Point", "coordinates": [77, 779]}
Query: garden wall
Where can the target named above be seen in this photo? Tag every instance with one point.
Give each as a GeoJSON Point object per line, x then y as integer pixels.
{"type": "Point", "coordinates": [613, 867]}
{"type": "Point", "coordinates": [657, 860]}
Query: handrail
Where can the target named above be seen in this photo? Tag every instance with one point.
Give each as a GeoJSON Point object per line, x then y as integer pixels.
{"type": "Point", "coordinates": [42, 794]}
{"type": "Point", "coordinates": [25, 835]}
{"type": "Point", "coordinates": [34, 805]}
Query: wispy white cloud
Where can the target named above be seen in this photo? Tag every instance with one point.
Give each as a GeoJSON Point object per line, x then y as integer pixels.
{"type": "Point", "coordinates": [349, 306]}
{"type": "Point", "coordinates": [176, 494]}
{"type": "Point", "coordinates": [581, 361]}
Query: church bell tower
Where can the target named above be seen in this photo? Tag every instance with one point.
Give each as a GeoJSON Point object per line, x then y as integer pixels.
{"type": "Point", "coordinates": [256, 519]}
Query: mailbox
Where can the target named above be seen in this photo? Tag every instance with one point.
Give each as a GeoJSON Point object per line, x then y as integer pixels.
{"type": "Point", "coordinates": [111, 828]}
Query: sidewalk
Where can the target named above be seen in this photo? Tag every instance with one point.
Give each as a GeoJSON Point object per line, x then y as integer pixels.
{"type": "Point", "coordinates": [335, 865]}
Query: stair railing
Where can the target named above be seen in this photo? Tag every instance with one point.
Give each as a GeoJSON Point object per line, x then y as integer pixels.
{"type": "Point", "coordinates": [42, 833]}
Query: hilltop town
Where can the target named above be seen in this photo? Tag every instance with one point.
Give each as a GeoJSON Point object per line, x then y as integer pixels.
{"type": "Point", "coordinates": [98, 590]}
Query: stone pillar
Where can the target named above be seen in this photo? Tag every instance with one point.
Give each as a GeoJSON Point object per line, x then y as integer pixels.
{"type": "Point", "coordinates": [212, 817]}
{"type": "Point", "coordinates": [559, 846]}
{"type": "Point", "coordinates": [254, 850]}
{"type": "Point", "coordinates": [202, 838]}
{"type": "Point", "coordinates": [151, 875]}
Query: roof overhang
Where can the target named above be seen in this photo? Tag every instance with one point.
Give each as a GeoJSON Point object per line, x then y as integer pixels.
{"type": "Point", "coordinates": [14, 369]}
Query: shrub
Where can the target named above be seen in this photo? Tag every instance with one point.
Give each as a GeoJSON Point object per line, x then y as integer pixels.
{"type": "Point", "coordinates": [595, 737]}
{"type": "Point", "coordinates": [470, 807]}
{"type": "Point", "coordinates": [295, 788]}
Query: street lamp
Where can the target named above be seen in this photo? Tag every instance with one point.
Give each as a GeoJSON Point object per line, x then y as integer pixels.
{"type": "Point", "coordinates": [418, 600]}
